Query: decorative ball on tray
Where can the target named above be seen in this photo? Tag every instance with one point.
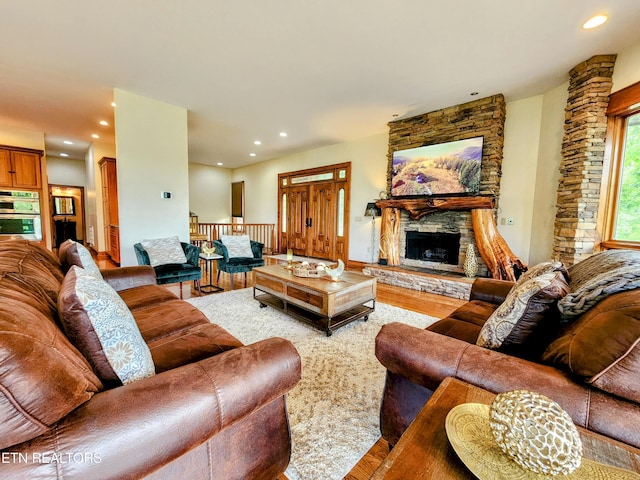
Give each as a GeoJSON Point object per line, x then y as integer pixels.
{"type": "Point", "coordinates": [523, 435]}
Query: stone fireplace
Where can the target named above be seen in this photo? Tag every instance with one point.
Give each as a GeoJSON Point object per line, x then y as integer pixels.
{"type": "Point", "coordinates": [432, 247]}
{"type": "Point", "coordinates": [438, 242]}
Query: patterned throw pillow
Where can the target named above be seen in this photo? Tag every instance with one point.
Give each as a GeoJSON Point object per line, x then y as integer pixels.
{"type": "Point", "coordinates": [74, 253]}
{"type": "Point", "coordinates": [529, 307]}
{"type": "Point", "coordinates": [164, 251]}
{"type": "Point", "coordinates": [237, 245]}
{"type": "Point", "coordinates": [101, 326]}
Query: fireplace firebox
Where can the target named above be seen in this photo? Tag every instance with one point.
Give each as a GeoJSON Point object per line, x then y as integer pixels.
{"type": "Point", "coordinates": [433, 247]}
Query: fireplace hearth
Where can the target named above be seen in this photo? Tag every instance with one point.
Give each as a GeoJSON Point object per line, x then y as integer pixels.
{"type": "Point", "coordinates": [433, 247]}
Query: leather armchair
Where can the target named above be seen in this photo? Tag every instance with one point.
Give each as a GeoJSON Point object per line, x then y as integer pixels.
{"type": "Point", "coordinates": [238, 264]}
{"type": "Point", "coordinates": [175, 272]}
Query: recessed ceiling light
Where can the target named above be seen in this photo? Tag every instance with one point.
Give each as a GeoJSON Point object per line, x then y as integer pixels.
{"type": "Point", "coordinates": [283, 134]}
{"type": "Point", "coordinates": [68, 142]}
{"type": "Point", "coordinates": [220, 164]}
{"type": "Point", "coordinates": [594, 22]}
{"type": "Point", "coordinates": [104, 123]}
{"type": "Point", "coordinates": [95, 135]}
{"type": "Point", "coordinates": [64, 154]}
{"type": "Point", "coordinates": [252, 154]}
{"type": "Point", "coordinates": [257, 142]}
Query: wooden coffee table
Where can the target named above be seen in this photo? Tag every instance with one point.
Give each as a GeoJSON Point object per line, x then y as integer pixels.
{"type": "Point", "coordinates": [424, 451]}
{"type": "Point", "coordinates": [321, 302]}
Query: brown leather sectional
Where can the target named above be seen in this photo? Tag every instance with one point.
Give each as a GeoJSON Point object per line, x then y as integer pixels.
{"type": "Point", "coordinates": [215, 409]}
{"type": "Point", "coordinates": [601, 396]}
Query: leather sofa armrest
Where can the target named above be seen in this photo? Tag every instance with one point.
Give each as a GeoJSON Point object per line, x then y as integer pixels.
{"type": "Point", "coordinates": [132, 430]}
{"type": "Point", "coordinates": [490, 290]}
{"type": "Point", "coordinates": [426, 358]}
{"type": "Point", "coordinates": [129, 277]}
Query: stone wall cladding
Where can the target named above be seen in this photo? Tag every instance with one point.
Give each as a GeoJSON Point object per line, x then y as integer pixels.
{"type": "Point", "coordinates": [450, 287]}
{"type": "Point", "coordinates": [484, 117]}
{"type": "Point", "coordinates": [581, 166]}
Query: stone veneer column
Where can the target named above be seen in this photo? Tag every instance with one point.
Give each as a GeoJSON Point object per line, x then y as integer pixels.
{"type": "Point", "coordinates": [582, 159]}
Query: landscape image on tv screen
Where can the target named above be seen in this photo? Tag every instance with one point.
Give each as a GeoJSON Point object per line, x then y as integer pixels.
{"type": "Point", "coordinates": [442, 169]}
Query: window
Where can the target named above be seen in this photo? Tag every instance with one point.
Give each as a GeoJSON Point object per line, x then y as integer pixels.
{"type": "Point", "coordinates": [621, 191]}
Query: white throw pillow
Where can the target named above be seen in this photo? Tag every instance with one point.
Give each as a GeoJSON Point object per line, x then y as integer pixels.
{"type": "Point", "coordinates": [164, 251]}
{"type": "Point", "coordinates": [237, 245]}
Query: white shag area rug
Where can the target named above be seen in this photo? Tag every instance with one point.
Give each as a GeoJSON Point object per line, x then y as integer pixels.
{"type": "Point", "coordinates": [334, 410]}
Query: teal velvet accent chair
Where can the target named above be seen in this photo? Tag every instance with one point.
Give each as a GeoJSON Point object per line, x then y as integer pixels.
{"type": "Point", "coordinates": [235, 265]}
{"type": "Point", "coordinates": [175, 272]}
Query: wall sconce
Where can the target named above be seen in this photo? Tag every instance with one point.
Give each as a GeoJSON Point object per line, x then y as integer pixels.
{"type": "Point", "coordinates": [372, 211]}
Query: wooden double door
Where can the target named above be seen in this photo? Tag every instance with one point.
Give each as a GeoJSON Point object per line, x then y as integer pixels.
{"type": "Point", "coordinates": [313, 212]}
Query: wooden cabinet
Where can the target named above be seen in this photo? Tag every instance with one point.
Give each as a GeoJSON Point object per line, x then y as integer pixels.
{"type": "Point", "coordinates": [20, 168]}
{"type": "Point", "coordinates": [109, 178]}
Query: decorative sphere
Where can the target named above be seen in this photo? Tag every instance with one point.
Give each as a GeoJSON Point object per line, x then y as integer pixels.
{"type": "Point", "coordinates": [535, 432]}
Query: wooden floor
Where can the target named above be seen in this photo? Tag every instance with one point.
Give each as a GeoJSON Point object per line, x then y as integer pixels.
{"type": "Point", "coordinates": [422, 302]}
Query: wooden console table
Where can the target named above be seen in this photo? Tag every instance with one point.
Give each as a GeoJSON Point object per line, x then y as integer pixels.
{"type": "Point", "coordinates": [424, 451]}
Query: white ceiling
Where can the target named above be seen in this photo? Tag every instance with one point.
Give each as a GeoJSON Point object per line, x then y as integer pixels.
{"type": "Point", "coordinates": [323, 71]}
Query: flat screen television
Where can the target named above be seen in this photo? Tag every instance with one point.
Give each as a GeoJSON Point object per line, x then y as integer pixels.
{"type": "Point", "coordinates": [451, 168]}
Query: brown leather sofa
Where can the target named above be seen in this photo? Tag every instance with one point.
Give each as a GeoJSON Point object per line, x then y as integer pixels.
{"type": "Point", "coordinates": [417, 361]}
{"type": "Point", "coordinates": [215, 409]}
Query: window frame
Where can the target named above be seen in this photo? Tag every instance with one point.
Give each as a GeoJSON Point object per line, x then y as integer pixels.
{"type": "Point", "coordinates": [622, 104]}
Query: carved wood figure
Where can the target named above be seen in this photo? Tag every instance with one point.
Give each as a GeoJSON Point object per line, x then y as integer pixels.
{"type": "Point", "coordinates": [390, 235]}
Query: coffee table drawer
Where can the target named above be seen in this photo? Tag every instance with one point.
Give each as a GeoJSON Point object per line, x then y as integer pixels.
{"type": "Point", "coordinates": [268, 284]}
{"type": "Point", "coordinates": [308, 298]}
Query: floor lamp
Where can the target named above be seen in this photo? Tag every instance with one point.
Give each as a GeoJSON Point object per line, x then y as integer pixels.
{"type": "Point", "coordinates": [372, 211]}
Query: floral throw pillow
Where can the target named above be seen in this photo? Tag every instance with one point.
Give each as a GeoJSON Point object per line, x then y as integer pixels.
{"type": "Point", "coordinates": [164, 251]}
{"type": "Point", "coordinates": [99, 324]}
{"type": "Point", "coordinates": [529, 309]}
{"type": "Point", "coordinates": [238, 246]}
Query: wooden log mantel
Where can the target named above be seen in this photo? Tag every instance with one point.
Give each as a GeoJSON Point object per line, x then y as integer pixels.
{"type": "Point", "coordinates": [493, 248]}
{"type": "Point", "coordinates": [419, 207]}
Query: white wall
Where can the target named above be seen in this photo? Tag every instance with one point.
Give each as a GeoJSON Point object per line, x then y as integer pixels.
{"type": "Point", "coordinates": [627, 69]}
{"type": "Point", "coordinates": [210, 193]}
{"type": "Point", "coordinates": [519, 166]}
{"type": "Point", "coordinates": [17, 137]}
{"type": "Point", "coordinates": [93, 193]}
{"type": "Point", "coordinates": [66, 171]}
{"type": "Point", "coordinates": [548, 174]}
{"type": "Point", "coordinates": [152, 157]}
{"type": "Point", "coordinates": [368, 157]}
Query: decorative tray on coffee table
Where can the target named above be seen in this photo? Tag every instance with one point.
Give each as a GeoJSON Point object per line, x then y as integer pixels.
{"type": "Point", "coordinates": [309, 270]}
